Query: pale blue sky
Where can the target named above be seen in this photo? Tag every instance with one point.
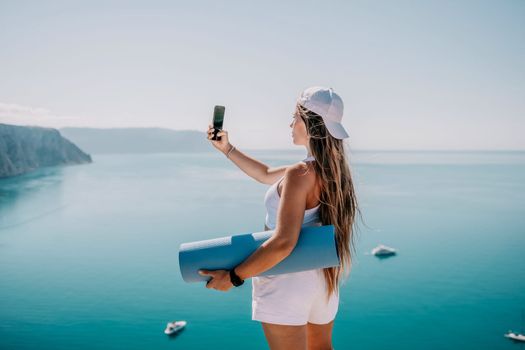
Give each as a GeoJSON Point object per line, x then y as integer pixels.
{"type": "Point", "coordinates": [412, 74]}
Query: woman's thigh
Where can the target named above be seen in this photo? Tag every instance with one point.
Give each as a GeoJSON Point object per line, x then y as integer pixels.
{"type": "Point", "coordinates": [319, 336]}
{"type": "Point", "coordinates": [285, 337]}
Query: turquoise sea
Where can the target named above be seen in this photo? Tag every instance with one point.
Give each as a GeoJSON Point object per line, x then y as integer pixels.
{"type": "Point", "coordinates": [88, 253]}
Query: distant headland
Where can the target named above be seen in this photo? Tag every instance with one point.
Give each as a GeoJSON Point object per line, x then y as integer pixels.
{"type": "Point", "coordinates": [27, 148]}
{"type": "Point", "coordinates": [138, 140]}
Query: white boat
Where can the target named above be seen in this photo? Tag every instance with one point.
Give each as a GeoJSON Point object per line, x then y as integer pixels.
{"type": "Point", "coordinates": [515, 336]}
{"type": "Point", "coordinates": [174, 327]}
{"type": "Point", "coordinates": [382, 250]}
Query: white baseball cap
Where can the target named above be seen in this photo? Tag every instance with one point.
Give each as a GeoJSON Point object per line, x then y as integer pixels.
{"type": "Point", "coordinates": [328, 104]}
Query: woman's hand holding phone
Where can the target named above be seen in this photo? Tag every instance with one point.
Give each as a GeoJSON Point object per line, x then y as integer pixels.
{"type": "Point", "coordinates": [223, 145]}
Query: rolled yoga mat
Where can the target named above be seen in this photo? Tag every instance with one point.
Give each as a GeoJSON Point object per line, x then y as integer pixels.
{"type": "Point", "coordinates": [315, 249]}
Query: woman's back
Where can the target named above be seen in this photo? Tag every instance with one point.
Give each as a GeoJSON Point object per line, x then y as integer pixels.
{"type": "Point", "coordinates": [292, 298]}
{"type": "Point", "coordinates": [271, 202]}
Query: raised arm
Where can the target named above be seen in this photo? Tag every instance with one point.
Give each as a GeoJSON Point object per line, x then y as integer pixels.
{"type": "Point", "coordinates": [256, 169]}
{"type": "Point", "coordinates": [251, 166]}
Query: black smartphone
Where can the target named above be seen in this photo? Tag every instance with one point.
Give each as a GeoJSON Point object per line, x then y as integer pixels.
{"type": "Point", "coordinates": [218, 118]}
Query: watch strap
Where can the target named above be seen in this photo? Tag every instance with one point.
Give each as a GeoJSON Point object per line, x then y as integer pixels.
{"type": "Point", "coordinates": [235, 280]}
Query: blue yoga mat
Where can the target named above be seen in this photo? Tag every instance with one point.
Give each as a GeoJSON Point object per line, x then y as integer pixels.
{"type": "Point", "coordinates": [315, 249]}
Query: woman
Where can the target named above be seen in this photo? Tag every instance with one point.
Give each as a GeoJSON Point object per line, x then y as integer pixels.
{"type": "Point", "coordinates": [297, 310]}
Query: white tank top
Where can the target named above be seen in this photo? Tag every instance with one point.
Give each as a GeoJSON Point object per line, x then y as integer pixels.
{"type": "Point", "coordinates": [271, 201]}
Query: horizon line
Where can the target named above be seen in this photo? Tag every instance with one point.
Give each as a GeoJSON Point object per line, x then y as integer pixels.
{"type": "Point", "coordinates": [283, 149]}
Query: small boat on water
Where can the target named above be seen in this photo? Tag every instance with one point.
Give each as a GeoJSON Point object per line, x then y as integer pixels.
{"type": "Point", "coordinates": [383, 250]}
{"type": "Point", "coordinates": [174, 327]}
{"type": "Point", "coordinates": [515, 336]}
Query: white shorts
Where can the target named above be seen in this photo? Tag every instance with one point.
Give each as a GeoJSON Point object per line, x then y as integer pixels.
{"type": "Point", "coordinates": [293, 299]}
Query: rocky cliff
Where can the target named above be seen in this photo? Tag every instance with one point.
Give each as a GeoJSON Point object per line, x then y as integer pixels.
{"type": "Point", "coordinates": [26, 148]}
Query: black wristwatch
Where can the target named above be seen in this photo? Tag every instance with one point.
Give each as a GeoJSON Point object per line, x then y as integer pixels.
{"type": "Point", "coordinates": [236, 280]}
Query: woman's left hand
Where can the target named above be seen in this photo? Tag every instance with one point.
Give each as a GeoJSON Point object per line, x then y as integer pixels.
{"type": "Point", "coordinates": [220, 279]}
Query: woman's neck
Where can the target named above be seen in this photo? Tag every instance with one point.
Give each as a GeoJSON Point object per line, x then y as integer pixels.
{"type": "Point", "coordinates": [308, 153]}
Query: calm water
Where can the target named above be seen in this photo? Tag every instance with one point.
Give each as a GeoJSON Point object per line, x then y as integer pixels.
{"type": "Point", "coordinates": [88, 253]}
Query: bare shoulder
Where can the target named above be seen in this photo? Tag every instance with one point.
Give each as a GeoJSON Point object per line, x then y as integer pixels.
{"type": "Point", "coordinates": [300, 175]}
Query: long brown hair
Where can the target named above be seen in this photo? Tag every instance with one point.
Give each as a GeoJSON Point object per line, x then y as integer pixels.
{"type": "Point", "coordinates": [338, 201]}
